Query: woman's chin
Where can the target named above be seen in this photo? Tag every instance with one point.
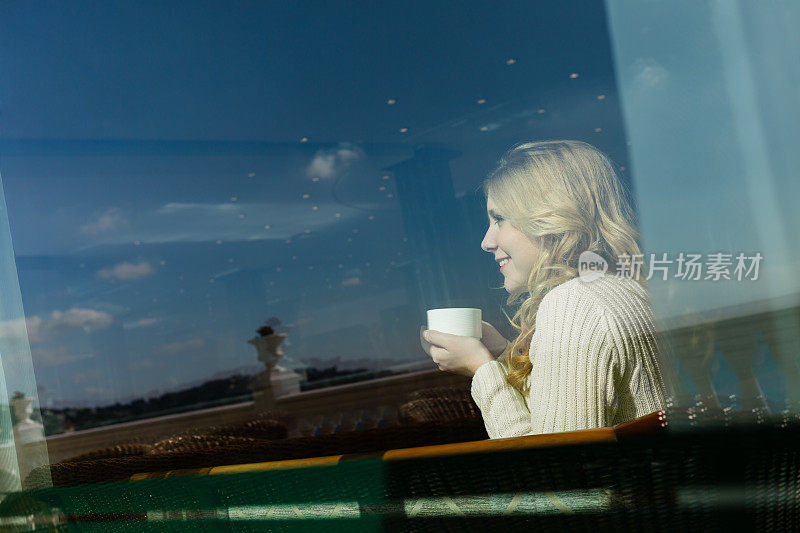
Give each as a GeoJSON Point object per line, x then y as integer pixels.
{"type": "Point", "coordinates": [509, 286]}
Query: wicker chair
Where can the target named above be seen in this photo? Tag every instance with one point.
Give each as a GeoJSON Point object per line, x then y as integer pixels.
{"type": "Point", "coordinates": [440, 404]}
{"type": "Point", "coordinates": [184, 452]}
{"type": "Point", "coordinates": [112, 452]}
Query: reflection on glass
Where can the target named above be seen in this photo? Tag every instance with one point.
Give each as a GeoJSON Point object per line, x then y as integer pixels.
{"type": "Point", "coordinates": [716, 184]}
{"type": "Point", "coordinates": [167, 201]}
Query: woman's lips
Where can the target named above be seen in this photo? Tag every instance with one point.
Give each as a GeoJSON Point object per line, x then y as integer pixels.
{"type": "Point", "coordinates": [502, 267]}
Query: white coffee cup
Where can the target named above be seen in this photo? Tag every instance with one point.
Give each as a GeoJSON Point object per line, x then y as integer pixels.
{"type": "Point", "coordinates": [465, 321]}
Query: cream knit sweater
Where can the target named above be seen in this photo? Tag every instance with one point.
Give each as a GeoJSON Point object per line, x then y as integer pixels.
{"type": "Point", "coordinates": [595, 363]}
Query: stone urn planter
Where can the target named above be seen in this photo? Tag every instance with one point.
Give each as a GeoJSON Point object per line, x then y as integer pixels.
{"type": "Point", "coordinates": [26, 429]}
{"type": "Point", "coordinates": [28, 436]}
{"type": "Point", "coordinates": [268, 348]}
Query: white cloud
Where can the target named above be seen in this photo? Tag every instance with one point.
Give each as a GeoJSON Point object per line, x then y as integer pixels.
{"type": "Point", "coordinates": [328, 163]}
{"type": "Point", "coordinates": [197, 208]}
{"type": "Point", "coordinates": [648, 73]}
{"type": "Point", "coordinates": [38, 330]}
{"type": "Point", "coordinates": [77, 318]}
{"type": "Point", "coordinates": [351, 282]}
{"type": "Point", "coordinates": [193, 222]}
{"type": "Point", "coordinates": [348, 155]}
{"type": "Point", "coordinates": [322, 166]}
{"type": "Point", "coordinates": [183, 346]}
{"type": "Point", "coordinates": [34, 327]}
{"type": "Point", "coordinates": [111, 219]}
{"type": "Point", "coordinates": [141, 323]}
{"type": "Point", "coordinates": [17, 330]}
{"type": "Point", "coordinates": [127, 271]}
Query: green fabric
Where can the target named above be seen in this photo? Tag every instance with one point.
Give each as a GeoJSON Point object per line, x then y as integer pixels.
{"type": "Point", "coordinates": [217, 525]}
{"type": "Point", "coordinates": [361, 481]}
{"type": "Point", "coordinates": [355, 494]}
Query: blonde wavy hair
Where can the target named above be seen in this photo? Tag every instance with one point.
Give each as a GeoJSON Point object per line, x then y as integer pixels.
{"type": "Point", "coordinates": [567, 198]}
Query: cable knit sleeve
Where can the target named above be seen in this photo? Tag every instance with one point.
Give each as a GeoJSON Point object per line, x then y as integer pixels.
{"type": "Point", "coordinates": [504, 410]}
{"type": "Point", "coordinates": [639, 384]}
{"type": "Point", "coordinates": [594, 363]}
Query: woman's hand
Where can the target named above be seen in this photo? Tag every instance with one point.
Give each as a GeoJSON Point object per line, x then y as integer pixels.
{"type": "Point", "coordinates": [491, 338]}
{"type": "Point", "coordinates": [454, 353]}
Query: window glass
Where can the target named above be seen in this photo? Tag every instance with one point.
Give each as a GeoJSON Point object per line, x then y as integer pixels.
{"type": "Point", "coordinates": [184, 181]}
{"type": "Point", "coordinates": [711, 125]}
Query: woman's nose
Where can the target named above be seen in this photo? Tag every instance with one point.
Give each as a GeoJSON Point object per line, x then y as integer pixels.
{"type": "Point", "coordinates": [488, 244]}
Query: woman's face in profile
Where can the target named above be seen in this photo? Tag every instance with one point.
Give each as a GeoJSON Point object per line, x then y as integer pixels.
{"type": "Point", "coordinates": [513, 251]}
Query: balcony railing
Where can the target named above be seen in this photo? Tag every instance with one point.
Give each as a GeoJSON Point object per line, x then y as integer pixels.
{"type": "Point", "coordinates": [737, 335]}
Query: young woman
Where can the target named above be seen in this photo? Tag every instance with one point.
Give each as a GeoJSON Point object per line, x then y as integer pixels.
{"type": "Point", "coordinates": [586, 353]}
